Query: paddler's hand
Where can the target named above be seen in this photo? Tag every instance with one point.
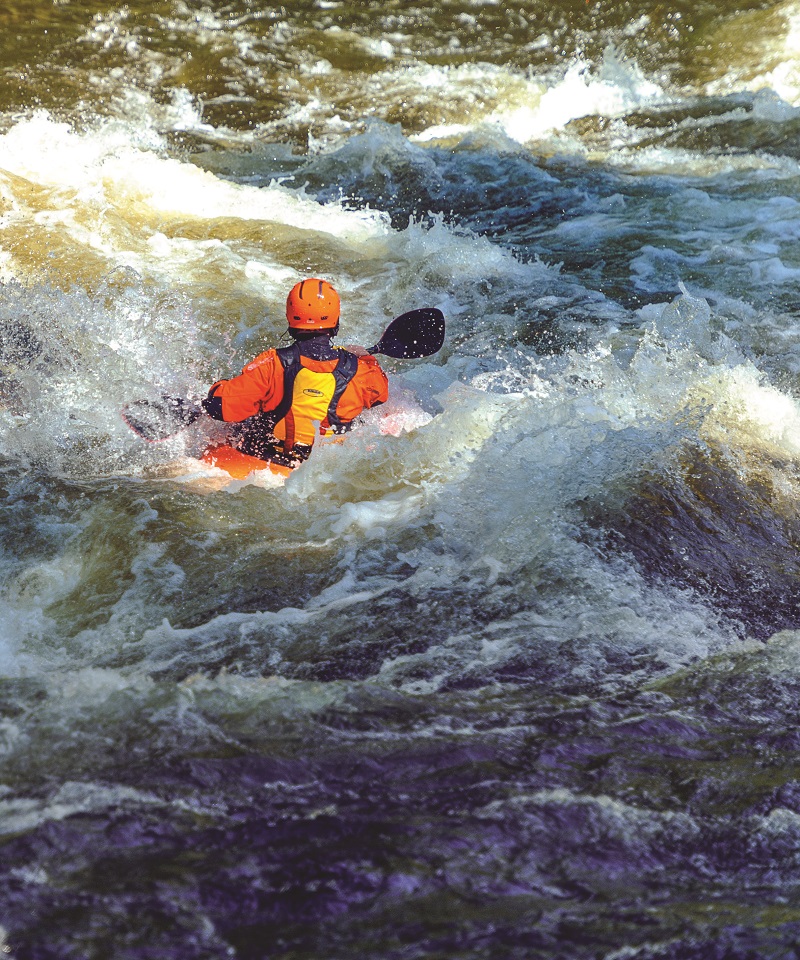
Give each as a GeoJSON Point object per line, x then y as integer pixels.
{"type": "Point", "coordinates": [356, 350]}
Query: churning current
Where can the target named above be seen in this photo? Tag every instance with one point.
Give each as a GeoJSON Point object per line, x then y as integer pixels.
{"type": "Point", "coordinates": [512, 672]}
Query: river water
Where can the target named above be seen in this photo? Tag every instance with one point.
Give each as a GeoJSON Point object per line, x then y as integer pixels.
{"type": "Point", "coordinates": [511, 673]}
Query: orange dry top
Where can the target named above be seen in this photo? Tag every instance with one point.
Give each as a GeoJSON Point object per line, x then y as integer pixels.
{"type": "Point", "coordinates": [259, 388]}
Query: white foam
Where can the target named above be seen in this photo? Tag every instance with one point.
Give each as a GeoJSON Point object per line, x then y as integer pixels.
{"type": "Point", "coordinates": [26, 629]}
{"type": "Point", "coordinates": [106, 167]}
{"type": "Point", "coordinates": [529, 108]}
{"type": "Point", "coordinates": [617, 88]}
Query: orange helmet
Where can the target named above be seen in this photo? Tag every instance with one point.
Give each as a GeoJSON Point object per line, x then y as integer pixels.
{"type": "Point", "coordinates": [312, 305]}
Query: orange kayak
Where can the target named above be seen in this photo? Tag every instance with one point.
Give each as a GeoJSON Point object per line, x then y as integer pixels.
{"type": "Point", "coordinates": [240, 465]}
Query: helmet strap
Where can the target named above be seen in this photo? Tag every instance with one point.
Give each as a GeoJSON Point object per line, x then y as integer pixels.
{"type": "Point", "coordinates": [302, 335]}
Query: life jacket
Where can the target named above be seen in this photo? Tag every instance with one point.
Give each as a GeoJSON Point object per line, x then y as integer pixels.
{"type": "Point", "coordinates": [309, 397]}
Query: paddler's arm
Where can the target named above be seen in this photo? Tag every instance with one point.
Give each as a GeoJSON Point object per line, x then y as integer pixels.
{"type": "Point", "coordinates": [368, 388]}
{"type": "Point", "coordinates": [258, 388]}
{"type": "Point", "coordinates": [372, 381]}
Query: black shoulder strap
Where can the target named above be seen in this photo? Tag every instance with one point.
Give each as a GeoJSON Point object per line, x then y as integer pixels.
{"type": "Point", "coordinates": [289, 356]}
{"type": "Point", "coordinates": [343, 373]}
{"type": "Point", "coordinates": [290, 361]}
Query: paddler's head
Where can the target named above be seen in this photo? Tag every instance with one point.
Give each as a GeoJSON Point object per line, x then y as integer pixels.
{"type": "Point", "coordinates": [313, 307]}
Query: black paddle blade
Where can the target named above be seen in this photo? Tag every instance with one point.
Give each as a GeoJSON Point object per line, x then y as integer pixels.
{"type": "Point", "coordinates": [160, 419]}
{"type": "Point", "coordinates": [418, 333]}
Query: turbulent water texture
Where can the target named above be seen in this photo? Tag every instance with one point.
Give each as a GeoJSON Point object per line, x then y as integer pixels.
{"type": "Point", "coordinates": [513, 671]}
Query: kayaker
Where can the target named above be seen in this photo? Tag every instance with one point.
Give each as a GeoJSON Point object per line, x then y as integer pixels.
{"type": "Point", "coordinates": [280, 396]}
